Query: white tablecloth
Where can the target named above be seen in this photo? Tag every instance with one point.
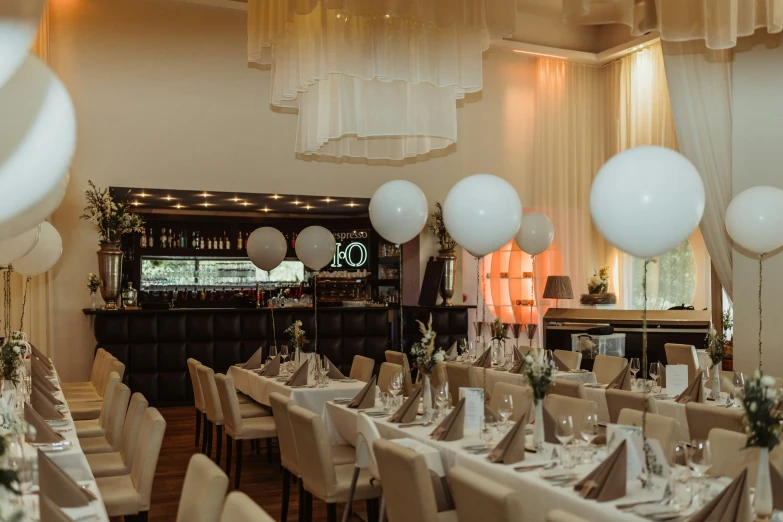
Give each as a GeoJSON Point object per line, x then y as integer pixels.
{"type": "Point", "coordinates": [313, 399]}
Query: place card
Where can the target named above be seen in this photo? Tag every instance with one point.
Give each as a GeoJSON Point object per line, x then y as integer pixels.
{"type": "Point", "coordinates": [676, 378]}
{"type": "Point", "coordinates": [617, 434]}
{"type": "Point", "coordinates": [474, 407]}
{"type": "Point", "coordinates": [60, 487]}
{"type": "Point", "coordinates": [255, 361]}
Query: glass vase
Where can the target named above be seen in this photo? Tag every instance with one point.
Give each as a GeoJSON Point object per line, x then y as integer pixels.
{"type": "Point", "coordinates": [762, 503]}
{"type": "Point", "coordinates": [427, 400]}
{"type": "Point", "coordinates": [715, 393]}
{"type": "Point", "coordinates": [538, 426]}
{"type": "Point", "coordinates": [93, 306]}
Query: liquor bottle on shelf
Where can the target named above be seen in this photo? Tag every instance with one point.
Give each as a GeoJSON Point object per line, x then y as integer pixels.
{"type": "Point", "coordinates": [220, 243]}
{"type": "Point", "coordinates": [193, 240]}
{"type": "Point", "coordinates": [163, 238]}
{"type": "Point", "coordinates": [150, 240]}
{"type": "Point", "coordinates": [293, 239]}
{"type": "Point", "coordinates": [209, 244]}
{"type": "Point", "coordinates": [247, 236]}
{"type": "Point", "coordinates": [198, 240]}
{"type": "Point", "coordinates": [143, 242]}
{"type": "Point", "coordinates": [183, 239]}
{"type": "Point", "coordinates": [214, 243]}
{"type": "Point", "coordinates": [239, 241]}
{"type": "Point", "coordinates": [171, 239]}
{"type": "Point", "coordinates": [226, 241]}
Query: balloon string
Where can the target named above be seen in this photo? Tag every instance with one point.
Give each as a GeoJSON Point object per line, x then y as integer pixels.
{"type": "Point", "coordinates": [399, 295]}
{"type": "Point", "coordinates": [761, 258]}
{"type": "Point", "coordinates": [274, 332]}
{"type": "Point", "coordinates": [315, 309]}
{"type": "Point", "coordinates": [24, 303]}
{"type": "Point", "coordinates": [7, 303]}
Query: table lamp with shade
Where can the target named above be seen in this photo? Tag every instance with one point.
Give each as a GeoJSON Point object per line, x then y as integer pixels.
{"type": "Point", "coordinates": [558, 287]}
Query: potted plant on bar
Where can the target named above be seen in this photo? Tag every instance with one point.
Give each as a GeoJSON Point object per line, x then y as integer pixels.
{"type": "Point", "coordinates": [446, 246]}
{"type": "Point", "coordinates": [426, 358]}
{"type": "Point", "coordinates": [112, 220]}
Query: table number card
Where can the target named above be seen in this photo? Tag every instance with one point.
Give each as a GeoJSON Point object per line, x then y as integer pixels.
{"type": "Point", "coordinates": [676, 379]}
{"type": "Point", "coordinates": [474, 407]}
{"type": "Point", "coordinates": [616, 434]}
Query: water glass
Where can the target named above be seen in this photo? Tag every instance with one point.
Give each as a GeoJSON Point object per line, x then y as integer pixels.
{"type": "Point", "coordinates": [589, 431]}
{"type": "Point", "coordinates": [395, 384]}
{"type": "Point", "coordinates": [442, 397]}
{"type": "Point", "coordinates": [636, 365]}
{"type": "Point", "coordinates": [699, 461]}
{"type": "Point", "coordinates": [386, 401]}
{"type": "Point", "coordinates": [564, 432]}
{"type": "Point", "coordinates": [505, 408]}
{"type": "Point", "coordinates": [487, 432]}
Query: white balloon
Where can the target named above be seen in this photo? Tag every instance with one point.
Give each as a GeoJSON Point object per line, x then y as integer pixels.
{"type": "Point", "coordinates": [45, 254]}
{"type": "Point", "coordinates": [398, 211]}
{"type": "Point", "coordinates": [536, 233]}
{"type": "Point", "coordinates": [482, 213]}
{"type": "Point", "coordinates": [647, 200]}
{"type": "Point", "coordinates": [19, 21]}
{"type": "Point", "coordinates": [754, 219]}
{"type": "Point", "coordinates": [266, 248]}
{"type": "Point", "coordinates": [315, 247]}
{"type": "Point", "coordinates": [37, 138]}
{"type": "Point", "coordinates": [19, 246]}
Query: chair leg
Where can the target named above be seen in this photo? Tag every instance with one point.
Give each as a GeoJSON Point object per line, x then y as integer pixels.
{"type": "Point", "coordinates": [239, 464]}
{"type": "Point", "coordinates": [198, 426]}
{"type": "Point", "coordinates": [286, 494]}
{"type": "Point", "coordinates": [302, 502]}
{"type": "Point", "coordinates": [219, 448]}
{"type": "Point", "coordinates": [204, 433]}
{"type": "Point", "coordinates": [142, 516]}
{"type": "Point", "coordinates": [268, 450]}
{"type": "Point", "coordinates": [372, 510]}
{"type": "Point", "coordinates": [258, 447]}
{"type": "Point", "coordinates": [229, 447]}
{"type": "Point", "coordinates": [331, 512]}
{"type": "Point", "coordinates": [382, 512]}
{"type": "Point", "coordinates": [349, 504]}
{"type": "Point", "coordinates": [209, 438]}
{"type": "Point", "coordinates": [309, 506]}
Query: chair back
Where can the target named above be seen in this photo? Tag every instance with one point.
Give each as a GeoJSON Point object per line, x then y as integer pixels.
{"type": "Point", "coordinates": [362, 368]}
{"type": "Point", "coordinates": [407, 486]}
{"type": "Point", "coordinates": [394, 357]}
{"type": "Point", "coordinates": [558, 515]}
{"type": "Point", "coordinates": [366, 435]}
{"type": "Point", "coordinates": [659, 427]}
{"type": "Point", "coordinates": [480, 498]}
{"type": "Point", "coordinates": [203, 491]}
{"type": "Point", "coordinates": [241, 508]}
{"type": "Point", "coordinates": [438, 376]}
{"type": "Point", "coordinates": [198, 398]}
{"type": "Point", "coordinates": [617, 400]}
{"type": "Point", "coordinates": [285, 436]}
{"type": "Point", "coordinates": [683, 354]}
{"type": "Point", "coordinates": [108, 393]}
{"type": "Point", "coordinates": [568, 388]}
{"type": "Point", "coordinates": [522, 397]}
{"type": "Point", "coordinates": [460, 376]}
{"type": "Point", "coordinates": [117, 413]}
{"type": "Point", "coordinates": [606, 367]}
{"type": "Point", "coordinates": [730, 456]}
{"type": "Point", "coordinates": [558, 405]}
{"type": "Point", "coordinates": [97, 361]}
{"type": "Point", "coordinates": [118, 367]}
{"type": "Point", "coordinates": [130, 431]}
{"type": "Point", "coordinates": [206, 380]}
{"type": "Point", "coordinates": [229, 404]}
{"type": "Point", "coordinates": [702, 418]}
{"type": "Point", "coordinates": [145, 459]}
{"type": "Point", "coordinates": [315, 453]}
{"type": "Point", "coordinates": [571, 359]}
{"type": "Point", "coordinates": [387, 370]}
{"type": "Point", "coordinates": [105, 373]}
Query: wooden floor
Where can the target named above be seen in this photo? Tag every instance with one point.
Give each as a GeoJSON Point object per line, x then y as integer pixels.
{"type": "Point", "coordinates": [261, 480]}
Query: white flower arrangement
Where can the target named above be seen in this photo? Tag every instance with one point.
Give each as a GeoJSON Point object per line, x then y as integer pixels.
{"type": "Point", "coordinates": [762, 424]}
{"type": "Point", "coordinates": [297, 335]}
{"type": "Point", "coordinates": [714, 344]}
{"type": "Point", "coordinates": [93, 283]}
{"type": "Point", "coordinates": [111, 219]}
{"type": "Point", "coordinates": [540, 375]}
{"type": "Point", "coordinates": [426, 356]}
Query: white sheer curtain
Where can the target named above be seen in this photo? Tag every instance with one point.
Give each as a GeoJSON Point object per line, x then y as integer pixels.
{"type": "Point", "coordinates": [717, 23]}
{"type": "Point", "coordinates": [700, 89]}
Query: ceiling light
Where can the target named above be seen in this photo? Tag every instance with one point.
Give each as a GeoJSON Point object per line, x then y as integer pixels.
{"type": "Point", "coordinates": [276, 197]}
{"type": "Point", "coordinates": [168, 198]}
{"type": "Point", "coordinates": [245, 203]}
{"type": "Point", "coordinates": [308, 207]}
{"type": "Point", "coordinates": [135, 203]}
{"type": "Point", "coordinates": [328, 199]}
{"type": "Point", "coordinates": [142, 194]}
{"type": "Point", "coordinates": [351, 204]}
{"type": "Point", "coordinates": [205, 195]}
{"type": "Point", "coordinates": [235, 199]}
{"type": "Point", "coordinates": [205, 204]}
{"type": "Point", "coordinates": [296, 202]}
{"type": "Point", "coordinates": [265, 209]}
{"type": "Point", "coordinates": [543, 55]}
{"type": "Point", "coordinates": [177, 206]}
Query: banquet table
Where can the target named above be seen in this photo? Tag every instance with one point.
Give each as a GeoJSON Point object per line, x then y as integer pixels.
{"type": "Point", "coordinates": [494, 376]}
{"type": "Point", "coordinates": [74, 463]}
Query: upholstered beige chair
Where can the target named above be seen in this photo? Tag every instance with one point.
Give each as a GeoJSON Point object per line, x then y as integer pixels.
{"type": "Point", "coordinates": [558, 515]}
{"type": "Point", "coordinates": [730, 456]}
{"type": "Point", "coordinates": [606, 367]}
{"type": "Point", "coordinates": [407, 486]}
{"type": "Point", "coordinates": [90, 385]}
{"type": "Point", "coordinates": [571, 359]}
{"type": "Point", "coordinates": [568, 388]}
{"type": "Point", "coordinates": [617, 400]}
{"type": "Point", "coordinates": [119, 462]}
{"type": "Point", "coordinates": [438, 376]}
{"type": "Point", "coordinates": [702, 418]}
{"type": "Point", "coordinates": [198, 402]}
{"type": "Point", "coordinates": [683, 354]}
{"type": "Point", "coordinates": [203, 491]}
{"type": "Point", "coordinates": [394, 357]}
{"type": "Point", "coordinates": [130, 494]}
{"type": "Point", "coordinates": [522, 396]}
{"type": "Point", "coordinates": [322, 478]}
{"type": "Point", "coordinates": [659, 427]}
{"type": "Point", "coordinates": [97, 427]}
{"type": "Point", "coordinates": [479, 498]}
{"type": "Point", "coordinates": [387, 370]}
{"type": "Point", "coordinates": [362, 368]}
{"type": "Point", "coordinates": [558, 405]}
{"type": "Point", "coordinates": [86, 395]}
{"type": "Point", "coordinates": [241, 508]}
{"type": "Point", "coordinates": [90, 409]}
{"type": "Point", "coordinates": [238, 427]}
{"type": "Point", "coordinates": [460, 376]}
{"type": "Point", "coordinates": [112, 437]}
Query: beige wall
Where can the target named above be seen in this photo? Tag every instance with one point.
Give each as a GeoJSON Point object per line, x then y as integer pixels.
{"type": "Point", "coordinates": [164, 99]}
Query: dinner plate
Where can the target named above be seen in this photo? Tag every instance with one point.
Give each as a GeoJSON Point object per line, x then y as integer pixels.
{"type": "Point", "coordinates": [346, 380]}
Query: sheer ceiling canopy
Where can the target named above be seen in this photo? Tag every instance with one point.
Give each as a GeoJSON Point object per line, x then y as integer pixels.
{"type": "Point", "coordinates": [374, 79]}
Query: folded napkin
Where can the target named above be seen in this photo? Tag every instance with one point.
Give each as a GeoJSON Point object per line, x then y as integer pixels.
{"type": "Point", "coordinates": [607, 481]}
{"type": "Point", "coordinates": [451, 353]}
{"type": "Point", "coordinates": [407, 380]}
{"type": "Point", "coordinates": [44, 384]}
{"type": "Point", "coordinates": [43, 406]}
{"type": "Point", "coordinates": [272, 368]}
{"type": "Point", "coordinates": [511, 448]}
{"type": "Point", "coordinates": [731, 505]}
{"type": "Point", "coordinates": [453, 425]}
{"type": "Point", "coordinates": [334, 372]}
{"type": "Point", "coordinates": [38, 353]}
{"type": "Point", "coordinates": [255, 360]}
{"type": "Point", "coordinates": [47, 393]}
{"type": "Point", "coordinates": [662, 375]}
{"type": "Point", "coordinates": [518, 367]}
{"type": "Point", "coordinates": [366, 396]}
{"type": "Point", "coordinates": [44, 434]}
{"type": "Point", "coordinates": [622, 381]}
{"type": "Point", "coordinates": [694, 392]}
{"type": "Point", "coordinates": [559, 364]}
{"type": "Point", "coordinates": [50, 512]}
{"type": "Point", "coordinates": [485, 360]}
{"type": "Point", "coordinates": [409, 409]}
{"type": "Point", "coordinates": [517, 354]}
{"type": "Point", "coordinates": [58, 486]}
{"type": "Point", "coordinates": [299, 377]}
{"type": "Point", "coordinates": [40, 369]}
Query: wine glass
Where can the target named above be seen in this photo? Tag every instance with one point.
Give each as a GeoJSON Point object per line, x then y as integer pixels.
{"type": "Point", "coordinates": [442, 397]}
{"type": "Point", "coordinates": [654, 370]}
{"type": "Point", "coordinates": [565, 434]}
{"type": "Point", "coordinates": [739, 387]}
{"type": "Point", "coordinates": [284, 352]}
{"type": "Point", "coordinates": [505, 408]}
{"type": "Point", "coordinates": [272, 352]}
{"type": "Point", "coordinates": [395, 385]}
{"type": "Point", "coordinates": [23, 466]}
{"type": "Point", "coordinates": [589, 431]}
{"type": "Point", "coordinates": [699, 459]}
{"type": "Point", "coordinates": [471, 352]}
{"type": "Point", "coordinates": [635, 367]}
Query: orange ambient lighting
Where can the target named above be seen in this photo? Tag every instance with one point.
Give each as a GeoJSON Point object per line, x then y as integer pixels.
{"type": "Point", "coordinates": [543, 55]}
{"type": "Point", "coordinates": [508, 284]}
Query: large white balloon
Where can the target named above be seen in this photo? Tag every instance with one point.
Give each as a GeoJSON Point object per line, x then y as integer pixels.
{"type": "Point", "coordinates": [19, 21]}
{"type": "Point", "coordinates": [266, 248]}
{"type": "Point", "coordinates": [45, 254]}
{"type": "Point", "coordinates": [754, 219]}
{"type": "Point", "coordinates": [315, 247]}
{"type": "Point", "coordinates": [19, 246]}
{"type": "Point", "coordinates": [37, 138]}
{"type": "Point", "coordinates": [536, 233]}
{"type": "Point", "coordinates": [647, 200]}
{"type": "Point", "coordinates": [482, 213]}
{"type": "Point", "coordinates": [398, 211]}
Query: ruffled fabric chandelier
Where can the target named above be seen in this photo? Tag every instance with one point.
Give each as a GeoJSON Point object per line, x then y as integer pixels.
{"type": "Point", "coordinates": [374, 79]}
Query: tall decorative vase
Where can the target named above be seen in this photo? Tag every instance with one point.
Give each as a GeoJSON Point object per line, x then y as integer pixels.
{"type": "Point", "coordinates": [447, 282]}
{"type": "Point", "coordinates": [762, 503]}
{"type": "Point", "coordinates": [538, 426]}
{"type": "Point", "coordinates": [715, 393]}
{"type": "Point", "coordinates": [110, 272]}
{"type": "Point", "coordinates": [427, 401]}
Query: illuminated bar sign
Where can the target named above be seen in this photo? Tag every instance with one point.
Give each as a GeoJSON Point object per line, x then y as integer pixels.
{"type": "Point", "coordinates": [353, 250]}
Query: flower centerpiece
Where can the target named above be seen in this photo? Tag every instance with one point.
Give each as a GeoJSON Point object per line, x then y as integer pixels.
{"type": "Point", "coordinates": [93, 285]}
{"type": "Point", "coordinates": [728, 348]}
{"type": "Point", "coordinates": [598, 288]}
{"type": "Point", "coordinates": [760, 400]}
{"type": "Point", "coordinates": [499, 331]}
{"type": "Point", "coordinates": [10, 363]}
{"type": "Point", "coordinates": [539, 374]}
{"type": "Point", "coordinates": [298, 338]}
{"type": "Point", "coordinates": [426, 357]}
{"type": "Point", "coordinates": [715, 344]}
{"type": "Point", "coordinates": [446, 245]}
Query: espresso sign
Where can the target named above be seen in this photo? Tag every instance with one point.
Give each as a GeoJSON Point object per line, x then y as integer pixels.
{"type": "Point", "coordinates": [353, 250]}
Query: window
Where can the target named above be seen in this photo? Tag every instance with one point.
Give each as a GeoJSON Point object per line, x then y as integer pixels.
{"type": "Point", "coordinates": [671, 279]}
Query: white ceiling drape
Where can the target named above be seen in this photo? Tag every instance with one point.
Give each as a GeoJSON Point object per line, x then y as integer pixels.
{"type": "Point", "coordinates": [718, 22]}
{"type": "Point", "coordinates": [374, 79]}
